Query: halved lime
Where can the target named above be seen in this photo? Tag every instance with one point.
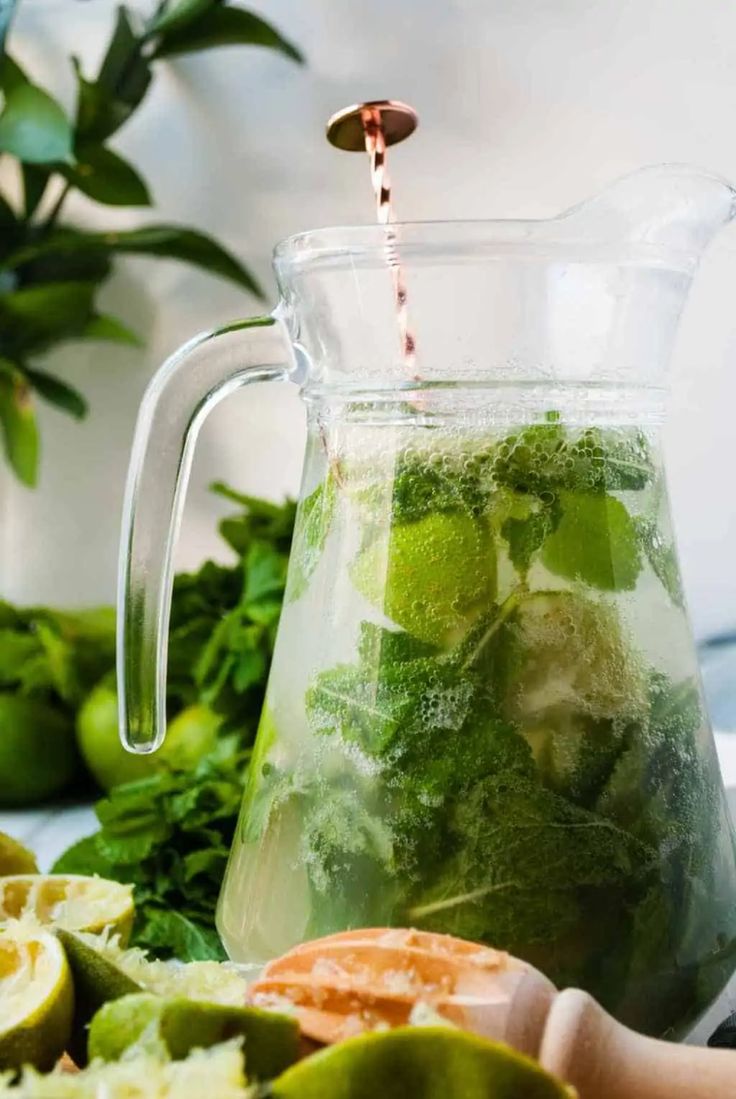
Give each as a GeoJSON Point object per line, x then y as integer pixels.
{"type": "Point", "coordinates": [432, 576]}
{"type": "Point", "coordinates": [15, 858]}
{"type": "Point", "coordinates": [421, 1063]}
{"type": "Point", "coordinates": [36, 997]}
{"type": "Point", "coordinates": [216, 1072]}
{"type": "Point", "coordinates": [71, 901]}
{"type": "Point", "coordinates": [177, 1026]}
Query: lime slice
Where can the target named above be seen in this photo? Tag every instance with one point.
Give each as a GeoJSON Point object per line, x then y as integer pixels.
{"type": "Point", "coordinates": [421, 1062]}
{"type": "Point", "coordinates": [15, 858]}
{"type": "Point", "coordinates": [432, 576]}
{"type": "Point", "coordinates": [36, 997]}
{"type": "Point", "coordinates": [216, 1072]}
{"type": "Point", "coordinates": [71, 901]}
{"type": "Point", "coordinates": [104, 971]}
{"type": "Point", "coordinates": [176, 1027]}
{"type": "Point", "coordinates": [96, 980]}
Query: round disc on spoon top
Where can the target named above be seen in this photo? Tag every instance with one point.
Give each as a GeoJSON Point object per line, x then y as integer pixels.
{"type": "Point", "coordinates": [346, 129]}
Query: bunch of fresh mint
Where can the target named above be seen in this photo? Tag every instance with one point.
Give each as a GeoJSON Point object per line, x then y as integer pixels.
{"type": "Point", "coordinates": [169, 834]}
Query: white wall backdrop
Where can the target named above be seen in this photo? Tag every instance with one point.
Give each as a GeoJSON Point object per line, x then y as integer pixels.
{"type": "Point", "coordinates": [526, 107]}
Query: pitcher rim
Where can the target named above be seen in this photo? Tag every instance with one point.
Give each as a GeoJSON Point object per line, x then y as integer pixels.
{"type": "Point", "coordinates": [469, 238]}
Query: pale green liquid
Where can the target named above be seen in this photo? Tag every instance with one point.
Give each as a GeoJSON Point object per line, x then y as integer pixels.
{"type": "Point", "coordinates": [283, 885]}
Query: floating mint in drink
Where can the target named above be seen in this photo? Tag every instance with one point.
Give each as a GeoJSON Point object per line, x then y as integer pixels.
{"type": "Point", "coordinates": [485, 718]}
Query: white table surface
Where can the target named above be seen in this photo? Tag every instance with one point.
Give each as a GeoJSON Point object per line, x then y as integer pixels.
{"type": "Point", "coordinates": [48, 832]}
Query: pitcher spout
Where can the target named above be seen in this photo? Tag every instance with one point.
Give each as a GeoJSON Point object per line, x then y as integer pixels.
{"type": "Point", "coordinates": [674, 206]}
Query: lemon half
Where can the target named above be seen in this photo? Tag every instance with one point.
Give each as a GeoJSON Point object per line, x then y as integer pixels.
{"type": "Point", "coordinates": [70, 901]}
{"type": "Point", "coordinates": [36, 997]}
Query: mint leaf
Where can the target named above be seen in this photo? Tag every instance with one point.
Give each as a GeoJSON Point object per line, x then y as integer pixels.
{"type": "Point", "coordinates": [595, 542]}
{"type": "Point", "coordinates": [312, 528]}
{"type": "Point", "coordinates": [662, 557]}
{"type": "Point", "coordinates": [84, 857]}
{"type": "Point", "coordinates": [378, 646]}
{"type": "Point", "coordinates": [549, 457]}
{"type": "Point", "coordinates": [529, 866]}
{"type": "Point", "coordinates": [441, 482]}
{"type": "Point", "coordinates": [526, 529]}
{"type": "Point", "coordinates": [183, 936]}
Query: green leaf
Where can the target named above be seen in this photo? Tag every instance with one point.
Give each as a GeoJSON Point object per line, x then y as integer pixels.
{"type": "Point", "coordinates": [178, 14]}
{"type": "Point", "coordinates": [58, 393]}
{"type": "Point", "coordinates": [53, 266]}
{"type": "Point", "coordinates": [84, 857]}
{"type": "Point", "coordinates": [99, 113]}
{"type": "Point", "coordinates": [18, 423]}
{"type": "Point", "coordinates": [547, 457]}
{"type": "Point", "coordinates": [188, 245]}
{"type": "Point", "coordinates": [11, 74]}
{"type": "Point", "coordinates": [225, 26]}
{"type": "Point", "coordinates": [595, 542]}
{"type": "Point", "coordinates": [11, 233]}
{"type": "Point", "coordinates": [662, 557]}
{"type": "Point", "coordinates": [102, 326]}
{"type": "Point", "coordinates": [16, 651]}
{"type": "Point", "coordinates": [35, 179]}
{"type": "Point", "coordinates": [125, 72]}
{"type": "Point", "coordinates": [123, 80]}
{"type": "Point", "coordinates": [33, 127]}
{"type": "Point", "coordinates": [104, 176]}
{"type": "Point", "coordinates": [169, 241]}
{"type": "Point", "coordinates": [527, 527]}
{"type": "Point", "coordinates": [317, 511]}
{"type": "Point", "coordinates": [265, 573]}
{"type": "Point", "coordinates": [35, 316]}
{"type": "Point", "coordinates": [188, 940]}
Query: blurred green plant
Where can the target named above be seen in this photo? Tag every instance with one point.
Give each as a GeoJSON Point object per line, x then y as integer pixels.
{"type": "Point", "coordinates": [50, 273]}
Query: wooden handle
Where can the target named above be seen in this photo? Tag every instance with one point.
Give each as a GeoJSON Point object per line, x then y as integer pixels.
{"type": "Point", "coordinates": [604, 1060]}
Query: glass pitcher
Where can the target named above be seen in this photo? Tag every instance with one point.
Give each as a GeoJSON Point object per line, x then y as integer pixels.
{"type": "Point", "coordinates": [484, 714]}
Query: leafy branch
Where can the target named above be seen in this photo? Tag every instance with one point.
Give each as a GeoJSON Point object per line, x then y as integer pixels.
{"type": "Point", "coordinates": [50, 273]}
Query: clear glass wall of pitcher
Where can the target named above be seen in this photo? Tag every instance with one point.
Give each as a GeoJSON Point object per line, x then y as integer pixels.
{"type": "Point", "coordinates": [484, 714]}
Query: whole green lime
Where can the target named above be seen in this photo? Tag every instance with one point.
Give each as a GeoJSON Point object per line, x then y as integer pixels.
{"type": "Point", "coordinates": [431, 576]}
{"type": "Point", "coordinates": [190, 736]}
{"type": "Point", "coordinates": [38, 755]}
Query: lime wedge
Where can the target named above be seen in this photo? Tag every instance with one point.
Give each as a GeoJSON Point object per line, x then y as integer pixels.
{"type": "Point", "coordinates": [104, 971]}
{"type": "Point", "coordinates": [176, 1027]}
{"type": "Point", "coordinates": [15, 858]}
{"type": "Point", "coordinates": [71, 901]}
{"type": "Point", "coordinates": [216, 1072]}
{"type": "Point", "coordinates": [96, 980]}
{"type": "Point", "coordinates": [36, 997]}
{"type": "Point", "coordinates": [421, 1062]}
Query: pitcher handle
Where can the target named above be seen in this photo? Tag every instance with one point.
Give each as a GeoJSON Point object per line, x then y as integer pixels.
{"type": "Point", "coordinates": [181, 395]}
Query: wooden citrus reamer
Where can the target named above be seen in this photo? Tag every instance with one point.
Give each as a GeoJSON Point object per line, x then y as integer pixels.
{"type": "Point", "coordinates": [362, 980]}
